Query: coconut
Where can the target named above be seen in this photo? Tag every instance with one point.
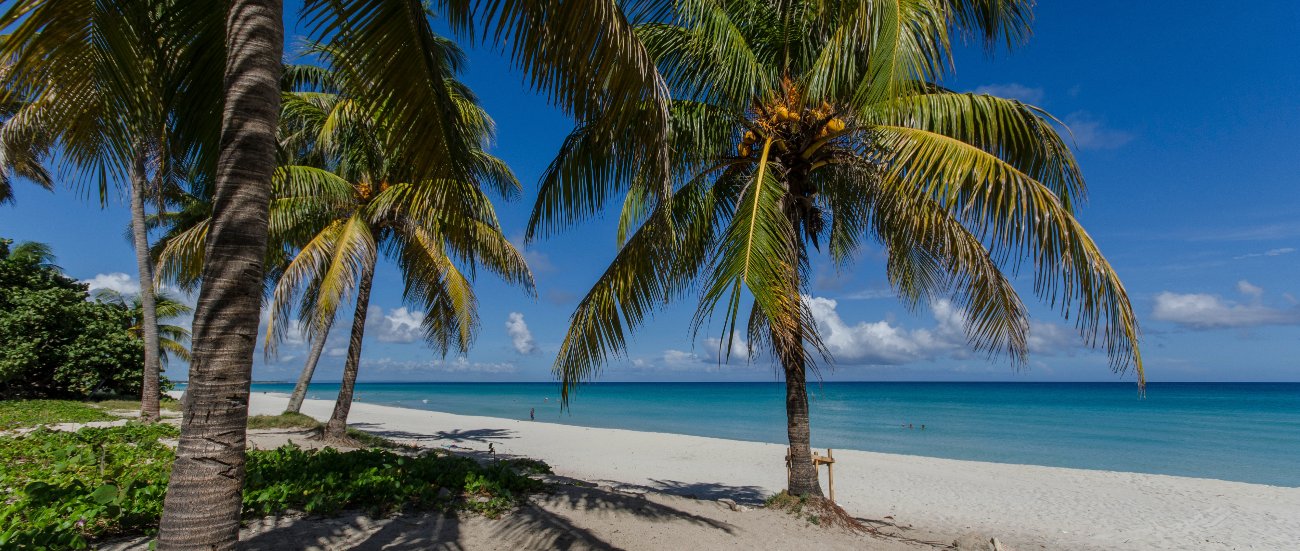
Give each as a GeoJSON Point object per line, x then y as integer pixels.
{"type": "Point", "coordinates": [743, 150]}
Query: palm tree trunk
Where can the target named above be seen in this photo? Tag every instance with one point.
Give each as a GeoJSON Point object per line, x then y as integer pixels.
{"type": "Point", "coordinates": [337, 427]}
{"type": "Point", "coordinates": [803, 479]}
{"type": "Point", "coordinates": [308, 369]}
{"type": "Point", "coordinates": [150, 390]}
{"type": "Point", "coordinates": [202, 507]}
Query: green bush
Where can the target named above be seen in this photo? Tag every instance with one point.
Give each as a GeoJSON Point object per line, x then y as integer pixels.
{"type": "Point", "coordinates": [56, 343]}
{"type": "Point", "coordinates": [28, 413]}
{"type": "Point", "coordinates": [66, 490]}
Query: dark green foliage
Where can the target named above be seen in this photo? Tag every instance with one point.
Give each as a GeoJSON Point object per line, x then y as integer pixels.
{"type": "Point", "coordinates": [27, 413]}
{"type": "Point", "coordinates": [66, 490]}
{"type": "Point", "coordinates": [55, 343]}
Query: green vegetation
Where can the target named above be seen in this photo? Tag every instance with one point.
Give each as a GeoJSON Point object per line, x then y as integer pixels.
{"type": "Point", "coordinates": [283, 421]}
{"type": "Point", "coordinates": [68, 489]}
{"type": "Point", "coordinates": [55, 343]}
{"type": "Point", "coordinates": [289, 420]}
{"type": "Point", "coordinates": [29, 413]}
{"type": "Point", "coordinates": [65, 488]}
{"type": "Point", "coordinates": [166, 403]}
{"type": "Point", "coordinates": [802, 134]}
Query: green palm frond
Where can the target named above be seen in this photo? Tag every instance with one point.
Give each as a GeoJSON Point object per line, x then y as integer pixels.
{"type": "Point", "coordinates": [823, 120]}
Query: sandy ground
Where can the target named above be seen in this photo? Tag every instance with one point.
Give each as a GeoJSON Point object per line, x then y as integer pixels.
{"type": "Point", "coordinates": [1027, 507]}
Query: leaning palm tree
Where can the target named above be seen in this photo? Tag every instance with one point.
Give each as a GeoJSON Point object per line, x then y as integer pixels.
{"type": "Point", "coordinates": [808, 126]}
{"type": "Point", "coordinates": [103, 82]}
{"type": "Point", "coordinates": [173, 340]}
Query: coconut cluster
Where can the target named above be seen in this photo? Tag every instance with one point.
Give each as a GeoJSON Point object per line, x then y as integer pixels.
{"type": "Point", "coordinates": [366, 189]}
{"type": "Point", "coordinates": [788, 120]}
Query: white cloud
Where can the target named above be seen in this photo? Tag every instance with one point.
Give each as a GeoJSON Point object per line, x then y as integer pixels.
{"type": "Point", "coordinates": [392, 366]}
{"type": "Point", "coordinates": [882, 343]}
{"type": "Point", "coordinates": [116, 281]}
{"type": "Point", "coordinates": [1090, 133]}
{"type": "Point", "coordinates": [1051, 338]}
{"type": "Point", "coordinates": [715, 349]}
{"type": "Point", "coordinates": [520, 337]}
{"type": "Point", "coordinates": [869, 294]}
{"type": "Point", "coordinates": [1205, 311]}
{"type": "Point", "coordinates": [398, 326]}
{"type": "Point", "coordinates": [1013, 90]}
{"type": "Point", "coordinates": [1246, 288]}
{"type": "Point", "coordinates": [1271, 252]}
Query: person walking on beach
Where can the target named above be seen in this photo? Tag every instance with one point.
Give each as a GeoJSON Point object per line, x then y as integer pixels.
{"type": "Point", "coordinates": [532, 414]}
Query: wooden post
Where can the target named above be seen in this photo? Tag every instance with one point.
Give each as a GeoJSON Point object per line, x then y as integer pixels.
{"type": "Point", "coordinates": [830, 474]}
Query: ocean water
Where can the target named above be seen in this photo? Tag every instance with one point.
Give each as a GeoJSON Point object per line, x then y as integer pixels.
{"type": "Point", "coordinates": [1247, 432]}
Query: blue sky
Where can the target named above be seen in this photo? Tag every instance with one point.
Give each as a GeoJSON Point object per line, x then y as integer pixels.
{"type": "Point", "coordinates": [1186, 126]}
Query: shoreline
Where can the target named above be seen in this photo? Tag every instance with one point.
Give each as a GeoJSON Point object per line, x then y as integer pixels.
{"type": "Point", "coordinates": [1027, 506]}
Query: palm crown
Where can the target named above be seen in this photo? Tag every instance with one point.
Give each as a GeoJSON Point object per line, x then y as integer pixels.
{"type": "Point", "coordinates": [822, 123]}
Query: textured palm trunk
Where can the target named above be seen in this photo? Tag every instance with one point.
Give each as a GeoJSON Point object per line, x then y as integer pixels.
{"type": "Point", "coordinates": [803, 478]}
{"type": "Point", "coordinates": [337, 427]}
{"type": "Point", "coordinates": [308, 369]}
{"type": "Point", "coordinates": [149, 391]}
{"type": "Point", "coordinates": [202, 508]}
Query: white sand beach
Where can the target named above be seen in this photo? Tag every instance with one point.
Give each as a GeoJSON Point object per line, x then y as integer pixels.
{"type": "Point", "coordinates": [1025, 506]}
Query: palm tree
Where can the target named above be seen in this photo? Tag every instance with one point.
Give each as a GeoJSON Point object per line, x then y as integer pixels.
{"type": "Point", "coordinates": [22, 150]}
{"type": "Point", "coordinates": [581, 53]}
{"type": "Point", "coordinates": [347, 201]}
{"type": "Point", "coordinates": [172, 339]}
{"type": "Point", "coordinates": [105, 82]}
{"type": "Point", "coordinates": [799, 125]}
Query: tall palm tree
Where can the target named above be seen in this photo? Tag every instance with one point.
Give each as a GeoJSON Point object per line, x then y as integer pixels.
{"type": "Point", "coordinates": [105, 82]}
{"type": "Point", "coordinates": [803, 125]}
{"type": "Point", "coordinates": [581, 53]}
{"type": "Point", "coordinates": [173, 340]}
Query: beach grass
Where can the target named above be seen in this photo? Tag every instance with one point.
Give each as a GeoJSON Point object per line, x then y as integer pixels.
{"type": "Point", "coordinates": [300, 421]}
{"type": "Point", "coordinates": [166, 404]}
{"type": "Point", "coordinates": [29, 413]}
{"type": "Point", "coordinates": [283, 421]}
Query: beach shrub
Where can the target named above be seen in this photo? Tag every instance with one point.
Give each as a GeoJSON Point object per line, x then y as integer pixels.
{"type": "Point", "coordinates": [379, 481]}
{"type": "Point", "coordinates": [29, 413]}
{"type": "Point", "coordinates": [65, 490]}
{"type": "Point", "coordinates": [54, 342]}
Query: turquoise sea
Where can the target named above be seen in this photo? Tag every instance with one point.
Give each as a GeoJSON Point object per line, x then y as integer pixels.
{"type": "Point", "coordinates": [1247, 432]}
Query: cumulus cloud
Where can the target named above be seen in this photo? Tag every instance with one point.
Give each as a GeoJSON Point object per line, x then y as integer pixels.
{"type": "Point", "coordinates": [520, 337]}
{"type": "Point", "coordinates": [883, 343]}
{"type": "Point", "coordinates": [398, 326]}
{"type": "Point", "coordinates": [1091, 133]}
{"type": "Point", "coordinates": [1013, 90]}
{"type": "Point", "coordinates": [1206, 311]}
{"type": "Point", "coordinates": [116, 281]}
